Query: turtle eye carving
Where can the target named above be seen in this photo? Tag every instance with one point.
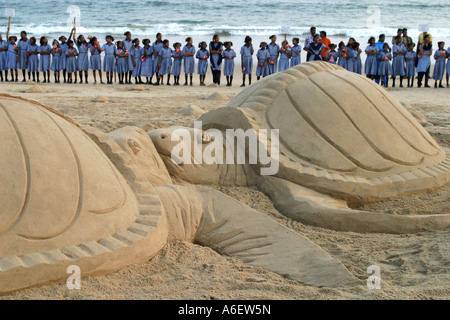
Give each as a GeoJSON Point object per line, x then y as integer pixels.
{"type": "Point", "coordinates": [164, 136]}
{"type": "Point", "coordinates": [134, 146]}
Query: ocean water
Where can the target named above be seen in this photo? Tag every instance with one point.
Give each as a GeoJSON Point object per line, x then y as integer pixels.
{"type": "Point", "coordinates": [229, 18]}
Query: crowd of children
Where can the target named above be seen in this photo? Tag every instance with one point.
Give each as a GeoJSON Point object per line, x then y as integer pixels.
{"type": "Point", "coordinates": [127, 59]}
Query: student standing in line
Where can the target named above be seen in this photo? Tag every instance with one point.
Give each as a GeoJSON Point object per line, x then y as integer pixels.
{"type": "Point", "coordinates": [23, 44]}
{"type": "Point", "coordinates": [33, 59]}
{"type": "Point", "coordinates": [45, 51]}
{"type": "Point", "coordinates": [333, 55]}
{"type": "Point", "coordinates": [385, 68]}
{"type": "Point", "coordinates": [296, 51]}
{"type": "Point", "coordinates": [96, 59]}
{"type": "Point", "coordinates": [122, 55]}
{"type": "Point", "coordinates": [147, 61]}
{"type": "Point", "coordinates": [109, 61]}
{"type": "Point", "coordinates": [71, 62]}
{"type": "Point", "coordinates": [216, 50]}
{"type": "Point", "coordinates": [315, 49]}
{"type": "Point", "coordinates": [202, 56]}
{"type": "Point", "coordinates": [410, 58]}
{"type": "Point", "coordinates": [64, 48]}
{"type": "Point", "coordinates": [398, 63]}
{"type": "Point", "coordinates": [439, 67]}
{"type": "Point", "coordinates": [83, 56]}
{"type": "Point", "coordinates": [177, 60]}
{"type": "Point", "coordinates": [3, 53]}
{"type": "Point", "coordinates": [56, 61]}
{"type": "Point", "coordinates": [135, 54]}
{"type": "Point", "coordinates": [274, 51]}
{"type": "Point", "coordinates": [263, 58]}
{"type": "Point", "coordinates": [448, 66]}
{"type": "Point", "coordinates": [165, 62]}
{"type": "Point", "coordinates": [128, 45]}
{"type": "Point", "coordinates": [189, 61]}
{"type": "Point", "coordinates": [379, 45]}
{"type": "Point", "coordinates": [424, 63]}
{"type": "Point", "coordinates": [247, 60]}
{"type": "Point", "coordinates": [229, 55]}
{"type": "Point", "coordinates": [350, 54]}
{"type": "Point", "coordinates": [309, 39]}
{"type": "Point", "coordinates": [343, 55]}
{"type": "Point", "coordinates": [285, 56]}
{"type": "Point", "coordinates": [371, 65]}
{"type": "Point", "coordinates": [12, 57]}
{"type": "Point", "coordinates": [356, 58]}
{"type": "Point", "coordinates": [157, 46]}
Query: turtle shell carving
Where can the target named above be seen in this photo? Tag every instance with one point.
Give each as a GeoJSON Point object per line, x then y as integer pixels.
{"type": "Point", "coordinates": [340, 133]}
{"type": "Point", "coordinates": [58, 188]}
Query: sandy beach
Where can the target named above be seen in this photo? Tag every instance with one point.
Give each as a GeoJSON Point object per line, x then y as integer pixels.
{"type": "Point", "coordinates": [415, 266]}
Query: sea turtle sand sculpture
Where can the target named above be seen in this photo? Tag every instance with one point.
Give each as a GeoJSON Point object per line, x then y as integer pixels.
{"type": "Point", "coordinates": [344, 141]}
{"type": "Point", "coordinates": [101, 202]}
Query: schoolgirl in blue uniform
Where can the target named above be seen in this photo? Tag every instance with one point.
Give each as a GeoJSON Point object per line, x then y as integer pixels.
{"type": "Point", "coordinates": [33, 59]}
{"type": "Point", "coordinates": [45, 50]}
{"type": "Point", "coordinates": [12, 57]}
{"type": "Point", "coordinates": [128, 45]}
{"type": "Point", "coordinates": [424, 63]}
{"type": "Point", "coordinates": [177, 59]}
{"type": "Point", "coordinates": [263, 57]}
{"type": "Point", "coordinates": [135, 54]}
{"type": "Point", "coordinates": [63, 47]}
{"type": "Point", "coordinates": [122, 62]}
{"type": "Point", "coordinates": [274, 51]}
{"type": "Point", "coordinates": [95, 63]}
{"type": "Point", "coordinates": [83, 55]}
{"type": "Point", "coordinates": [23, 44]}
{"type": "Point", "coordinates": [398, 62]}
{"type": "Point", "coordinates": [384, 67]}
{"type": "Point", "coordinates": [247, 60]}
{"type": "Point", "coordinates": [343, 55]}
{"type": "Point", "coordinates": [285, 56]}
{"type": "Point", "coordinates": [71, 61]}
{"type": "Point", "coordinates": [56, 60]}
{"type": "Point", "coordinates": [157, 46]}
{"type": "Point", "coordinates": [439, 67]}
{"type": "Point", "coordinates": [189, 61]}
{"type": "Point", "coordinates": [332, 55]}
{"type": "Point", "coordinates": [229, 55]}
{"type": "Point", "coordinates": [316, 48]}
{"type": "Point", "coordinates": [3, 53]}
{"type": "Point", "coordinates": [350, 54]}
{"type": "Point", "coordinates": [448, 66]}
{"type": "Point", "coordinates": [147, 61]}
{"type": "Point", "coordinates": [371, 65]}
{"type": "Point", "coordinates": [165, 62]}
{"type": "Point", "coordinates": [109, 61]}
{"type": "Point", "coordinates": [356, 58]}
{"type": "Point", "coordinates": [296, 51]}
{"type": "Point", "coordinates": [215, 50]}
{"type": "Point", "coordinates": [202, 56]}
{"type": "Point", "coordinates": [410, 58]}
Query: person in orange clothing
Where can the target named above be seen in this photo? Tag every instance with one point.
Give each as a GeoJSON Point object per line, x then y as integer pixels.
{"type": "Point", "coordinates": [326, 42]}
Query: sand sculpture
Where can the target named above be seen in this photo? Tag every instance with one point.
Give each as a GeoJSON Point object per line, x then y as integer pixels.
{"type": "Point", "coordinates": [77, 196]}
{"type": "Point", "coordinates": [101, 202]}
{"type": "Point", "coordinates": [344, 141]}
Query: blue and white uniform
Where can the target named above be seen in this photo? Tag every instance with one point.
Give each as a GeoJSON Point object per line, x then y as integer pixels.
{"type": "Point", "coordinates": [274, 50]}
{"type": "Point", "coordinates": [262, 56]}
{"type": "Point", "coordinates": [296, 58]}
{"type": "Point", "coordinates": [83, 60]}
{"type": "Point", "coordinates": [284, 62]}
{"type": "Point", "coordinates": [157, 46]}
{"type": "Point", "coordinates": [166, 60]}
{"type": "Point", "coordinates": [357, 63]}
{"type": "Point", "coordinates": [64, 48]}
{"type": "Point", "coordinates": [11, 57]}
{"type": "Point", "coordinates": [439, 67]}
{"type": "Point", "coordinates": [410, 64]}
{"type": "Point", "coordinates": [316, 49]}
{"type": "Point", "coordinates": [228, 68]}
{"type": "Point", "coordinates": [71, 61]}
{"type": "Point", "coordinates": [3, 44]}
{"type": "Point", "coordinates": [147, 64]}
{"type": "Point", "coordinates": [128, 45]}
{"type": "Point", "coordinates": [122, 62]}
{"type": "Point", "coordinates": [23, 45]}
{"type": "Point", "coordinates": [95, 62]}
{"type": "Point", "coordinates": [424, 61]}
{"type": "Point", "coordinates": [371, 66]}
{"type": "Point", "coordinates": [188, 62]}
{"type": "Point", "coordinates": [332, 57]}
{"type": "Point", "coordinates": [56, 59]}
{"type": "Point", "coordinates": [33, 59]}
{"type": "Point", "coordinates": [177, 59]}
{"type": "Point", "coordinates": [247, 54]}
{"type": "Point", "coordinates": [202, 64]}
{"type": "Point", "coordinates": [45, 58]}
{"type": "Point", "coordinates": [135, 53]}
{"type": "Point", "coordinates": [398, 62]}
{"type": "Point", "coordinates": [384, 68]}
{"type": "Point", "coordinates": [109, 61]}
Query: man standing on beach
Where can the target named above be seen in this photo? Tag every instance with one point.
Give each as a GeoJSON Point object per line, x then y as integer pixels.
{"type": "Point", "coordinates": [326, 42]}
{"type": "Point", "coordinates": [406, 39]}
{"type": "Point", "coordinates": [309, 39]}
{"type": "Point", "coordinates": [399, 34]}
